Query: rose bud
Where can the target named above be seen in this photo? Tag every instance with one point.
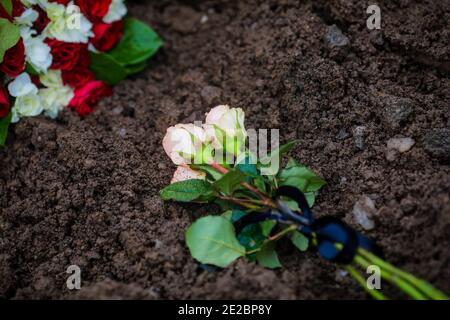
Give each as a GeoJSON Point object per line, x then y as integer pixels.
{"type": "Point", "coordinates": [225, 129]}
{"type": "Point", "coordinates": [183, 143]}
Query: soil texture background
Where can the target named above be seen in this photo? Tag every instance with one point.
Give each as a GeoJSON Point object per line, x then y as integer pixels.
{"type": "Point", "coordinates": [86, 191]}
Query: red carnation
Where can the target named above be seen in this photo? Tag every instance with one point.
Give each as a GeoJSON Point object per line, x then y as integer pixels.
{"type": "Point", "coordinates": [96, 10]}
{"type": "Point", "coordinates": [67, 55]}
{"type": "Point", "coordinates": [42, 20]}
{"type": "Point", "coordinates": [5, 105]}
{"type": "Point", "coordinates": [88, 96]}
{"type": "Point", "coordinates": [14, 60]}
{"type": "Point", "coordinates": [77, 77]}
{"type": "Point", "coordinates": [107, 35]}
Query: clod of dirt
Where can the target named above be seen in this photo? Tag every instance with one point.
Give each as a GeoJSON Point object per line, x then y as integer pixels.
{"type": "Point", "coordinates": [396, 110]}
{"type": "Point", "coordinates": [437, 144]}
{"type": "Point", "coordinates": [363, 211]}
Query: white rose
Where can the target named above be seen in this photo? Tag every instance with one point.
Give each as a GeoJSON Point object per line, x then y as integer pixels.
{"type": "Point", "coordinates": [185, 173]}
{"type": "Point", "coordinates": [67, 24]}
{"type": "Point", "coordinates": [225, 128]}
{"type": "Point", "coordinates": [29, 105]}
{"type": "Point", "coordinates": [183, 142]}
{"type": "Point", "coordinates": [22, 86]}
{"type": "Point", "coordinates": [117, 10]}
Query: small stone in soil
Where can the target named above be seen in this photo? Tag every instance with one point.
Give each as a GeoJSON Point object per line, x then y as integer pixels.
{"type": "Point", "coordinates": [363, 210]}
{"type": "Point", "coordinates": [396, 110]}
{"type": "Point", "coordinates": [343, 134]}
{"type": "Point", "coordinates": [400, 144]}
{"type": "Point", "coordinates": [335, 38]}
{"type": "Point", "coordinates": [359, 133]}
{"type": "Point", "coordinates": [437, 143]}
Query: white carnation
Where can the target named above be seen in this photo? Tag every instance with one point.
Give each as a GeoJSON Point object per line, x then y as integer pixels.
{"type": "Point", "coordinates": [22, 86]}
{"type": "Point", "coordinates": [117, 10]}
{"type": "Point", "coordinates": [56, 96]}
{"type": "Point", "coordinates": [67, 24]}
{"type": "Point", "coordinates": [29, 105]}
{"type": "Point", "coordinates": [28, 17]}
{"type": "Point", "coordinates": [37, 52]}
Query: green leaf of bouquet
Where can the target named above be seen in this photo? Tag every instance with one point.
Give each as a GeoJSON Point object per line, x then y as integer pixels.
{"type": "Point", "coordinates": [230, 181]}
{"type": "Point", "coordinates": [7, 5]}
{"type": "Point", "coordinates": [299, 240]}
{"type": "Point", "coordinates": [9, 36]}
{"type": "Point", "coordinates": [267, 256]}
{"type": "Point", "coordinates": [139, 43]}
{"type": "Point", "coordinates": [135, 68]}
{"type": "Point", "coordinates": [210, 171]}
{"type": "Point", "coordinates": [4, 125]}
{"type": "Point", "coordinates": [106, 68]}
{"type": "Point", "coordinates": [275, 156]}
{"type": "Point", "coordinates": [267, 226]}
{"type": "Point", "coordinates": [212, 240]}
{"type": "Point", "coordinates": [307, 180]}
{"type": "Point", "coordinates": [247, 167]}
{"type": "Point", "coordinates": [234, 215]}
{"type": "Point", "coordinates": [186, 191]}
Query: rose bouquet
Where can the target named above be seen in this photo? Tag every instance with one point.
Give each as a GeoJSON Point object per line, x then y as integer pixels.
{"type": "Point", "coordinates": [66, 53]}
{"type": "Point", "coordinates": [263, 204]}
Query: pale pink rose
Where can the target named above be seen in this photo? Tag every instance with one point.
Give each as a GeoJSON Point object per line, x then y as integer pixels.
{"type": "Point", "coordinates": [182, 142]}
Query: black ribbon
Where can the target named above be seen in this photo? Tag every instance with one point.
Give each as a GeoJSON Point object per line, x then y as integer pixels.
{"type": "Point", "coordinates": [328, 231]}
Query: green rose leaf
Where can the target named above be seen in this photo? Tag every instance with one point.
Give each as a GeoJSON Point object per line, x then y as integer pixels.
{"type": "Point", "coordinates": [186, 191]}
{"type": "Point", "coordinates": [210, 171]}
{"type": "Point", "coordinates": [275, 156]}
{"type": "Point", "coordinates": [4, 125]}
{"type": "Point", "coordinates": [301, 177]}
{"type": "Point", "coordinates": [212, 240]}
{"type": "Point", "coordinates": [267, 256]}
{"type": "Point", "coordinates": [230, 181]}
{"type": "Point", "coordinates": [106, 68]}
{"type": "Point", "coordinates": [9, 36]}
{"type": "Point", "coordinates": [299, 240]}
{"type": "Point", "coordinates": [139, 43]}
{"type": "Point", "coordinates": [7, 5]}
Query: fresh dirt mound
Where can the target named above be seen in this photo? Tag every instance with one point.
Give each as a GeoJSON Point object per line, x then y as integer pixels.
{"type": "Point", "coordinates": [85, 192]}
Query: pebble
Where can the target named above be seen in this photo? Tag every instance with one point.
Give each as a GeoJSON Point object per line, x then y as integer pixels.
{"type": "Point", "coordinates": [343, 134]}
{"type": "Point", "coordinates": [396, 111]}
{"type": "Point", "coordinates": [363, 210]}
{"type": "Point", "coordinates": [335, 38]}
{"type": "Point", "coordinates": [359, 134]}
{"type": "Point", "coordinates": [122, 132]}
{"type": "Point", "coordinates": [400, 144]}
{"type": "Point", "coordinates": [437, 143]}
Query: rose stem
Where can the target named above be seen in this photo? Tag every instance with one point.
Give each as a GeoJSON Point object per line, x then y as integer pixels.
{"type": "Point", "coordinates": [265, 199]}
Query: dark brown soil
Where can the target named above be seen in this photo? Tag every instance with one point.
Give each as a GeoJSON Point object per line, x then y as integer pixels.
{"type": "Point", "coordinates": [85, 192]}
